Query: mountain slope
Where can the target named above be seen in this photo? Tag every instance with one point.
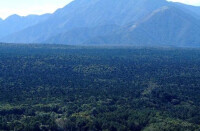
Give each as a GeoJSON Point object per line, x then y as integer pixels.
{"type": "Point", "coordinates": [87, 13]}
{"type": "Point", "coordinates": [193, 10]}
{"type": "Point", "coordinates": [143, 22]}
{"type": "Point", "coordinates": [16, 23]}
{"type": "Point", "coordinates": [170, 26]}
{"type": "Point", "coordinates": [165, 26]}
{"type": "Point", "coordinates": [80, 35]}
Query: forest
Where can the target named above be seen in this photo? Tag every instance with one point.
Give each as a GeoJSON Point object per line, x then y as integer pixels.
{"type": "Point", "coordinates": [99, 88]}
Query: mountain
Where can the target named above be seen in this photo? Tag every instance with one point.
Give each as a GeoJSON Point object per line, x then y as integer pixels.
{"type": "Point", "coordinates": [164, 26]}
{"type": "Point", "coordinates": [1, 20]}
{"type": "Point", "coordinates": [87, 13]}
{"type": "Point", "coordinates": [80, 35]}
{"type": "Point", "coordinates": [17, 23]}
{"type": "Point", "coordinates": [193, 10]}
{"type": "Point", "coordinates": [143, 22]}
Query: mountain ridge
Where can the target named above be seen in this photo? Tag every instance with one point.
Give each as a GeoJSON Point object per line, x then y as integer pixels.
{"type": "Point", "coordinates": [15, 23]}
{"type": "Point", "coordinates": [69, 17]}
{"type": "Point", "coordinates": [149, 32]}
{"type": "Point", "coordinates": [84, 22]}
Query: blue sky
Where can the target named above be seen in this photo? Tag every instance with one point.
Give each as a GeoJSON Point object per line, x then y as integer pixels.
{"type": "Point", "coordinates": [26, 7]}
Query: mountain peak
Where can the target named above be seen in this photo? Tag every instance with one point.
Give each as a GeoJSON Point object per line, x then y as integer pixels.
{"type": "Point", "coordinates": [137, 21]}
{"type": "Point", "coordinates": [14, 16]}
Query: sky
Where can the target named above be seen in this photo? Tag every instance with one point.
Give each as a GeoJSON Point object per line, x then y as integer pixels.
{"type": "Point", "coordinates": [190, 2]}
{"type": "Point", "coordinates": [26, 7]}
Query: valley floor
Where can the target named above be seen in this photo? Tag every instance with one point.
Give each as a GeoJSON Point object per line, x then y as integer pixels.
{"type": "Point", "coordinates": [57, 87]}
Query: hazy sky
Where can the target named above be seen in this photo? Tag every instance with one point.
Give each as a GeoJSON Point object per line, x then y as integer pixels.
{"type": "Point", "coordinates": [191, 2]}
{"type": "Point", "coordinates": [25, 7]}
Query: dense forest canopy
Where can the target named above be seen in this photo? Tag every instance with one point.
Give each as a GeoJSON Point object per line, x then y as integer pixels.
{"type": "Point", "coordinates": [56, 87]}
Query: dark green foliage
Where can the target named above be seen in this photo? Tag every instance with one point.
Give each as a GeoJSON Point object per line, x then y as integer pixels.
{"type": "Point", "coordinates": [48, 87]}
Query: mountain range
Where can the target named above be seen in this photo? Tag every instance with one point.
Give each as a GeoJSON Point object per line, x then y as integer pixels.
{"type": "Point", "coordinates": [132, 22]}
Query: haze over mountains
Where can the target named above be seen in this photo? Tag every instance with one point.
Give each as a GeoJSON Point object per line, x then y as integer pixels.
{"type": "Point", "coordinates": [17, 23]}
{"type": "Point", "coordinates": [137, 22]}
